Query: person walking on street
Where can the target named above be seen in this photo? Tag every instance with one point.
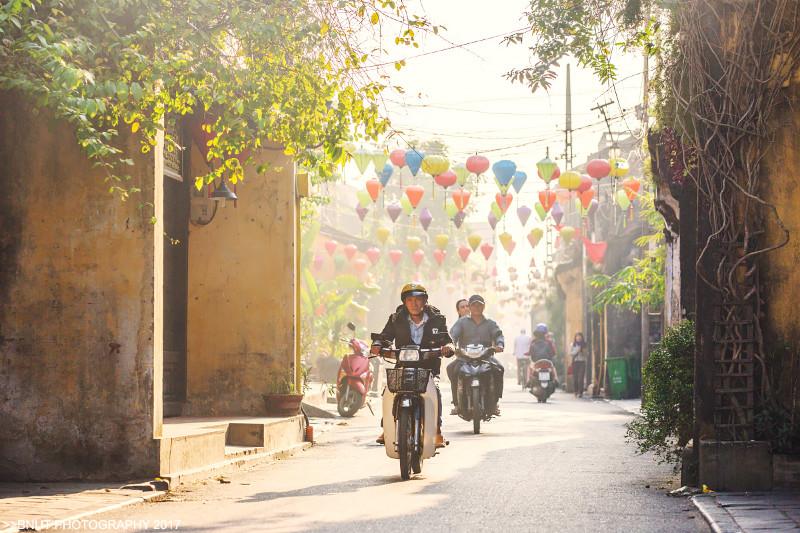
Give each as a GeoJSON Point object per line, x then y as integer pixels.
{"type": "Point", "coordinates": [579, 354]}
{"type": "Point", "coordinates": [521, 346]}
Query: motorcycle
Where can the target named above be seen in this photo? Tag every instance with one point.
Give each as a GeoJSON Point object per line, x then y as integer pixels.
{"type": "Point", "coordinates": [410, 408]}
{"type": "Point", "coordinates": [354, 378]}
{"type": "Point", "coordinates": [476, 399]}
{"type": "Point", "coordinates": [541, 379]}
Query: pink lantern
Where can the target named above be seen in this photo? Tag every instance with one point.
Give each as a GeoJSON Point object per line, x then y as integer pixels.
{"type": "Point", "coordinates": [318, 262]}
{"type": "Point", "coordinates": [417, 257]}
{"type": "Point", "coordinates": [330, 246]}
{"type": "Point", "coordinates": [586, 184]}
{"type": "Point", "coordinates": [477, 164]}
{"type": "Point", "coordinates": [486, 250]}
{"type": "Point", "coordinates": [374, 189]}
{"type": "Point", "coordinates": [463, 253]}
{"type": "Point", "coordinates": [596, 251]}
{"type": "Point", "coordinates": [504, 201]}
{"type": "Point", "coordinates": [446, 179]}
{"type": "Point", "coordinates": [398, 158]}
{"type": "Point", "coordinates": [439, 256]}
{"type": "Point", "coordinates": [395, 256]}
{"type": "Point", "coordinates": [350, 250]}
{"type": "Point", "coordinates": [374, 255]}
{"type": "Point", "coordinates": [598, 168]}
{"type": "Point", "coordinates": [562, 196]}
{"type": "Point", "coordinates": [414, 194]}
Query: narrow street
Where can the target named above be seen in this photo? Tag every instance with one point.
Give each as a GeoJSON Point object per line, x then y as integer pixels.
{"type": "Point", "coordinates": [561, 466]}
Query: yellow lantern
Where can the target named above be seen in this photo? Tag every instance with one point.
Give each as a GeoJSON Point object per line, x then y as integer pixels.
{"type": "Point", "coordinates": [619, 167]}
{"type": "Point", "coordinates": [382, 234]}
{"type": "Point", "coordinates": [474, 241]}
{"type": "Point", "coordinates": [435, 164]}
{"type": "Point", "coordinates": [441, 241]}
{"type": "Point", "coordinates": [413, 243]}
{"type": "Point", "coordinates": [569, 180]}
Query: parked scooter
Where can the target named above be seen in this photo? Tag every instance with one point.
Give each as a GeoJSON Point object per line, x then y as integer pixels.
{"type": "Point", "coordinates": [542, 379]}
{"type": "Point", "coordinates": [354, 377]}
{"type": "Point", "coordinates": [476, 398]}
{"type": "Point", "coordinates": [410, 408]}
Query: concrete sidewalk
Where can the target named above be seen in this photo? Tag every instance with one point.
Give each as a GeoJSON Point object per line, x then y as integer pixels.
{"type": "Point", "coordinates": [38, 506]}
{"type": "Point", "coordinates": [743, 512]}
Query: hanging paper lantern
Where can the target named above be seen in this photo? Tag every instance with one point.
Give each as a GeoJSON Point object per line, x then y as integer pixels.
{"type": "Point", "coordinates": [535, 236]}
{"type": "Point", "coordinates": [570, 180]}
{"type": "Point", "coordinates": [619, 167]}
{"type": "Point", "coordinates": [441, 240]}
{"type": "Point", "coordinates": [450, 208]}
{"type": "Point", "coordinates": [414, 160]}
{"type": "Point", "coordinates": [459, 218]}
{"type": "Point", "coordinates": [492, 220]}
{"type": "Point", "coordinates": [364, 199]}
{"type": "Point", "coordinates": [474, 241]}
{"type": "Point", "coordinates": [417, 257]}
{"type": "Point", "coordinates": [507, 241]}
{"type": "Point", "coordinates": [378, 159]}
{"type": "Point", "coordinates": [586, 184]}
{"type": "Point", "coordinates": [395, 256]}
{"type": "Point", "coordinates": [596, 251]}
{"type": "Point", "coordinates": [631, 186]}
{"type": "Point", "coordinates": [318, 262]}
{"type": "Point", "coordinates": [504, 201]}
{"type": "Point", "coordinates": [477, 164]}
{"type": "Point", "coordinates": [339, 263]}
{"type": "Point", "coordinates": [461, 174]}
{"type": "Point", "coordinates": [463, 253]}
{"type": "Point", "coordinates": [547, 199]}
{"type": "Point", "coordinates": [360, 265]}
{"type": "Point", "coordinates": [523, 213]}
{"type": "Point", "coordinates": [547, 168]}
{"type": "Point", "coordinates": [394, 210]}
{"type": "Point", "coordinates": [486, 250]}
{"type": "Point", "coordinates": [361, 211]}
{"type": "Point", "coordinates": [461, 198]}
{"type": "Point", "coordinates": [373, 188]}
{"type": "Point", "coordinates": [446, 179]}
{"type": "Point", "coordinates": [540, 210]}
{"type": "Point", "coordinates": [405, 203]}
{"type": "Point", "coordinates": [435, 164]}
{"type": "Point", "coordinates": [374, 255]}
{"type": "Point", "coordinates": [563, 196]}
{"type": "Point", "coordinates": [498, 213]}
{"type": "Point", "coordinates": [582, 211]}
{"type": "Point", "coordinates": [557, 213]}
{"type": "Point", "coordinates": [414, 194]}
{"type": "Point", "coordinates": [350, 250]}
{"type": "Point", "coordinates": [382, 234]}
{"type": "Point", "coordinates": [503, 173]}
{"type": "Point", "coordinates": [413, 243]}
{"type": "Point", "coordinates": [398, 158]}
{"type": "Point", "coordinates": [598, 168]}
{"type": "Point", "coordinates": [362, 160]}
{"type": "Point", "coordinates": [519, 180]}
{"type": "Point", "coordinates": [386, 174]}
{"type": "Point", "coordinates": [622, 199]}
{"type": "Point", "coordinates": [330, 246]}
{"type": "Point", "coordinates": [439, 256]}
{"type": "Point", "coordinates": [425, 218]}
{"type": "Point", "coordinates": [567, 234]}
{"type": "Point", "coordinates": [593, 205]}
{"type": "Point", "coordinates": [586, 198]}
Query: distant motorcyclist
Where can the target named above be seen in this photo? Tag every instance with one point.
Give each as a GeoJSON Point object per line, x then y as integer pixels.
{"type": "Point", "coordinates": [477, 329]}
{"type": "Point", "coordinates": [415, 322]}
{"type": "Point", "coordinates": [541, 347]}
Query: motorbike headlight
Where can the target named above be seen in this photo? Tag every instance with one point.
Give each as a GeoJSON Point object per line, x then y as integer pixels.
{"type": "Point", "coordinates": [409, 355]}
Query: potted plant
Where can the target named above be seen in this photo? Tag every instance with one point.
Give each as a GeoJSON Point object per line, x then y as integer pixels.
{"type": "Point", "coordinates": [282, 397]}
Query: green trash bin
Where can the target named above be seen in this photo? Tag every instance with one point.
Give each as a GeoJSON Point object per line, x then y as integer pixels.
{"type": "Point", "coordinates": [634, 377]}
{"type": "Point", "coordinates": [617, 370]}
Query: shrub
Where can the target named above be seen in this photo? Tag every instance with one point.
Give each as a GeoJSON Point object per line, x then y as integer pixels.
{"type": "Point", "coordinates": [667, 417]}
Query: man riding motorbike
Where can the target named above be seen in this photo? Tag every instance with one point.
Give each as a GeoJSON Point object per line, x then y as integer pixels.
{"type": "Point", "coordinates": [415, 322]}
{"type": "Point", "coordinates": [477, 329]}
{"type": "Point", "coordinates": [541, 347]}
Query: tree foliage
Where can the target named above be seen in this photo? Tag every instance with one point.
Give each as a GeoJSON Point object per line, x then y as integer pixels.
{"type": "Point", "coordinates": [288, 71]}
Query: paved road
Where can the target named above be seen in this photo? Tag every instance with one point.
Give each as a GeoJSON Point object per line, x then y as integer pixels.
{"type": "Point", "coordinates": [562, 466]}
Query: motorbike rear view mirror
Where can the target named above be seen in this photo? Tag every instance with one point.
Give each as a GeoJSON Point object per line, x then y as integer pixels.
{"type": "Point", "coordinates": [351, 326]}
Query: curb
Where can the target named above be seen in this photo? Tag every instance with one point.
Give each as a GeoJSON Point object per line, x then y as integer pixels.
{"type": "Point", "coordinates": [717, 518]}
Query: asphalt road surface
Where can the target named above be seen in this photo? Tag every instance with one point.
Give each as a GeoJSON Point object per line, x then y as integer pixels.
{"type": "Point", "coordinates": [560, 466]}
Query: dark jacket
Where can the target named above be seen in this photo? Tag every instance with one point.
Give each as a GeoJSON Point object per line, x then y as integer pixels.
{"type": "Point", "coordinates": [434, 335]}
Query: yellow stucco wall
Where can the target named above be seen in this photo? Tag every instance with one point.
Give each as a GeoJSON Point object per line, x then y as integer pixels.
{"type": "Point", "coordinates": [241, 312]}
{"type": "Point", "coordinates": [77, 308]}
{"type": "Point", "coordinates": [570, 280]}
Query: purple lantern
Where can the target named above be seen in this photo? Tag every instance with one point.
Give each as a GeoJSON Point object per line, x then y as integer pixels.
{"type": "Point", "coordinates": [425, 218]}
{"type": "Point", "coordinates": [557, 213]}
{"type": "Point", "coordinates": [524, 213]}
{"type": "Point", "coordinates": [361, 211]}
{"type": "Point", "coordinates": [492, 220]}
{"type": "Point", "coordinates": [459, 218]}
{"type": "Point", "coordinates": [394, 211]}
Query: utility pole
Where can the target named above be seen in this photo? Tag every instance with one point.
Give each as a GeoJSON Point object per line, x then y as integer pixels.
{"type": "Point", "coordinates": [568, 156]}
{"type": "Point", "coordinates": [602, 109]}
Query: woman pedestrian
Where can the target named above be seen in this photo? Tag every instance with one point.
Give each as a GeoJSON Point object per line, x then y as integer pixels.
{"type": "Point", "coordinates": [579, 354]}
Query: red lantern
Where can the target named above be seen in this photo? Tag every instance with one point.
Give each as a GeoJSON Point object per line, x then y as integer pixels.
{"type": "Point", "coordinates": [330, 246]}
{"type": "Point", "coordinates": [395, 256]}
{"type": "Point", "coordinates": [477, 164]}
{"type": "Point", "coordinates": [350, 250]}
{"type": "Point", "coordinates": [439, 256]}
{"type": "Point", "coordinates": [417, 257]}
{"type": "Point", "coordinates": [547, 199]}
{"type": "Point", "coordinates": [596, 251]}
{"type": "Point", "coordinates": [398, 158]}
{"type": "Point", "coordinates": [486, 250]}
{"type": "Point", "coordinates": [504, 201]}
{"type": "Point", "coordinates": [598, 168]}
{"type": "Point", "coordinates": [374, 189]}
{"type": "Point", "coordinates": [374, 255]}
{"type": "Point", "coordinates": [446, 179]}
{"type": "Point", "coordinates": [586, 184]}
{"type": "Point", "coordinates": [631, 186]}
{"type": "Point", "coordinates": [414, 194]}
{"type": "Point", "coordinates": [463, 253]}
{"type": "Point", "coordinates": [461, 198]}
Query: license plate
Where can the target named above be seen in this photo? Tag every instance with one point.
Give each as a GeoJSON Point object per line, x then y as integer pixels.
{"type": "Point", "coordinates": [476, 383]}
{"type": "Point", "coordinates": [544, 376]}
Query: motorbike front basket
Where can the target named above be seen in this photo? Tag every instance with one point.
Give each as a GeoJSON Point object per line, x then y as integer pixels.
{"type": "Point", "coordinates": [407, 380]}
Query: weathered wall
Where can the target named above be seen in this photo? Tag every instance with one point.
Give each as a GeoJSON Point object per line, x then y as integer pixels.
{"type": "Point", "coordinates": [570, 279]}
{"type": "Point", "coordinates": [76, 308]}
{"type": "Point", "coordinates": [241, 319]}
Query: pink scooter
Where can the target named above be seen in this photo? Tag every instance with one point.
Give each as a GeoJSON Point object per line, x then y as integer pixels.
{"type": "Point", "coordinates": [354, 378]}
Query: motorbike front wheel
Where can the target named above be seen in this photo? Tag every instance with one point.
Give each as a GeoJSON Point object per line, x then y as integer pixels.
{"type": "Point", "coordinates": [349, 402]}
{"type": "Point", "coordinates": [405, 443]}
{"type": "Point", "coordinates": [477, 415]}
